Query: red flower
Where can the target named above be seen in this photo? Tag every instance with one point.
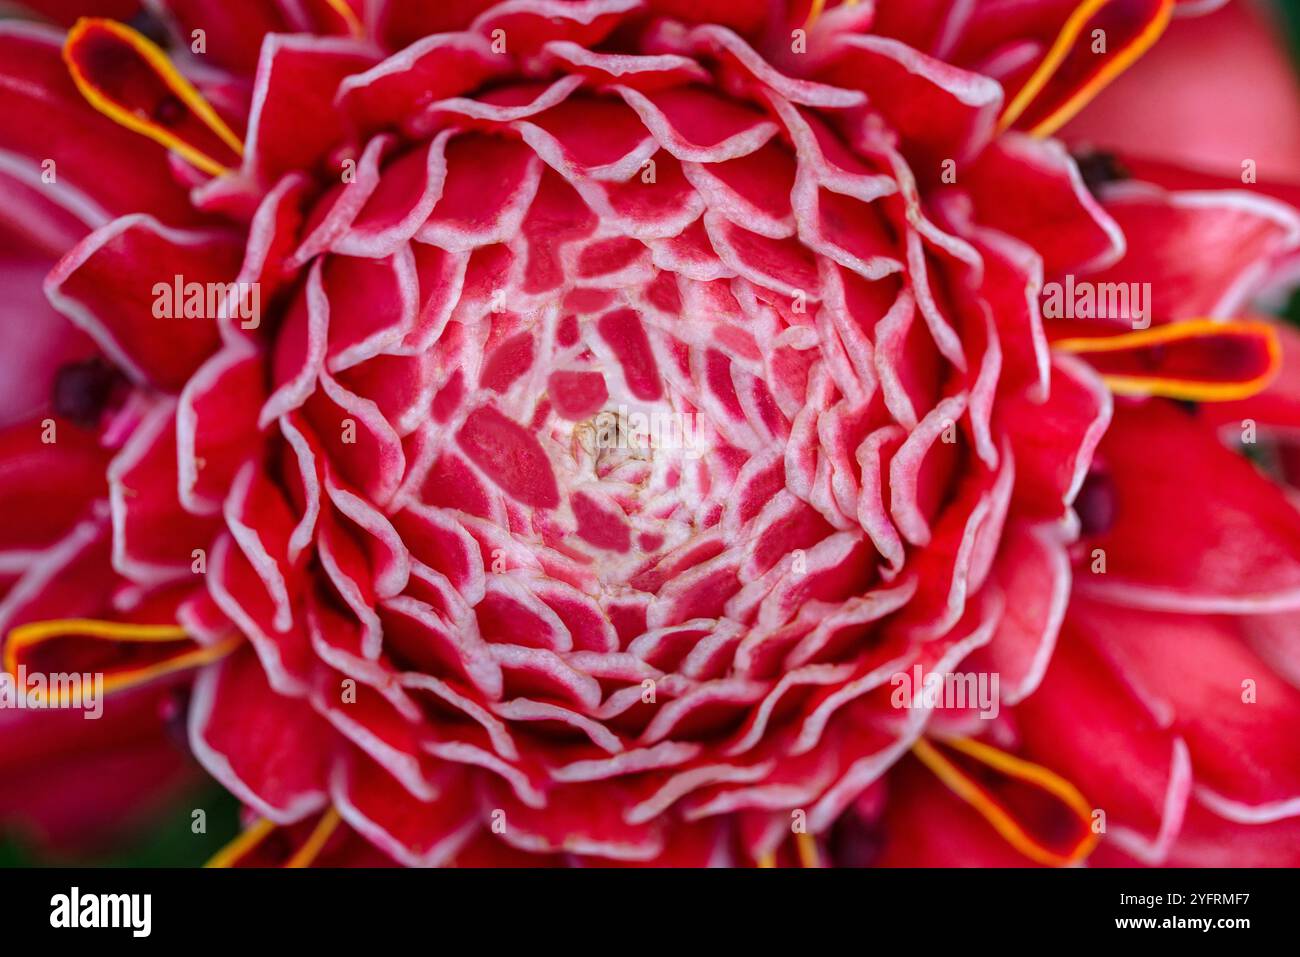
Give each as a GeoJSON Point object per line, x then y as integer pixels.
{"type": "Point", "coordinates": [558, 430]}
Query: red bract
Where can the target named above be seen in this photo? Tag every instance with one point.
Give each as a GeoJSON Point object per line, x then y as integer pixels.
{"type": "Point", "coordinates": [581, 414]}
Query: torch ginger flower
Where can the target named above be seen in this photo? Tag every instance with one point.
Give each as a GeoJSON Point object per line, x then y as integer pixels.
{"type": "Point", "coordinates": [634, 389]}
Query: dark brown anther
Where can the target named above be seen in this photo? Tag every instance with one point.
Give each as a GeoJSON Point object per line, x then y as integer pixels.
{"type": "Point", "coordinates": [82, 391]}
{"type": "Point", "coordinates": [148, 24]}
{"type": "Point", "coordinates": [855, 842]}
{"type": "Point", "coordinates": [1097, 505]}
{"type": "Point", "coordinates": [1099, 168]}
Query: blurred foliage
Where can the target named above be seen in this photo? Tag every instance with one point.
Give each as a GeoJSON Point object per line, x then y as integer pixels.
{"type": "Point", "coordinates": [1291, 311]}
{"type": "Point", "coordinates": [169, 842]}
{"type": "Point", "coordinates": [1289, 10]}
{"type": "Point", "coordinates": [1289, 13]}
